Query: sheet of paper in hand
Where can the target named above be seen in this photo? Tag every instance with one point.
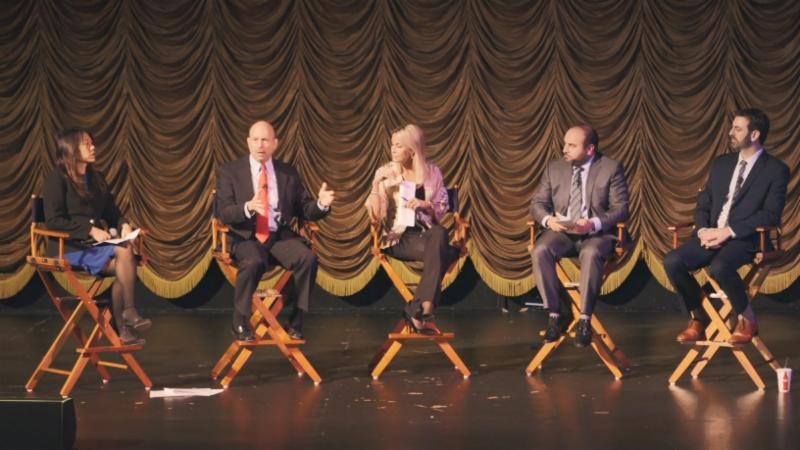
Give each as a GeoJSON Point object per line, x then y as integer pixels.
{"type": "Point", "coordinates": [405, 215]}
{"type": "Point", "coordinates": [565, 221]}
{"type": "Point", "coordinates": [130, 237]}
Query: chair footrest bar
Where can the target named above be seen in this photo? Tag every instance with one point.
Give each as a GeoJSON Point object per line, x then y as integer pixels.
{"type": "Point", "coordinates": [270, 342]}
{"type": "Point", "coordinates": [113, 365]}
{"type": "Point", "coordinates": [56, 371]}
{"type": "Point", "coordinates": [110, 349]}
{"type": "Point", "coordinates": [572, 334]}
{"type": "Point", "coordinates": [76, 299]}
{"type": "Point", "coordinates": [405, 336]}
{"type": "Point", "coordinates": [713, 344]}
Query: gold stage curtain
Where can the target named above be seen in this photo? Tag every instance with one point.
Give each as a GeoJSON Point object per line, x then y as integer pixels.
{"type": "Point", "coordinates": [170, 88]}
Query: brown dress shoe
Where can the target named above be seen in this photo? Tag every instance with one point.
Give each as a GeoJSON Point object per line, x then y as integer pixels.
{"type": "Point", "coordinates": [745, 332]}
{"type": "Point", "coordinates": [694, 332]}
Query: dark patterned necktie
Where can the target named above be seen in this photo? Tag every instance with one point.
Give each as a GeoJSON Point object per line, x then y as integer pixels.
{"type": "Point", "coordinates": [575, 194]}
{"type": "Point", "coordinates": [739, 180]}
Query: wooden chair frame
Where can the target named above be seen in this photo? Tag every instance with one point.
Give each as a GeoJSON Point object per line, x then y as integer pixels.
{"type": "Point", "coordinates": [602, 343]}
{"type": "Point", "coordinates": [266, 307]}
{"type": "Point", "coordinates": [723, 320]}
{"type": "Point", "coordinates": [401, 333]}
{"type": "Point", "coordinates": [72, 309]}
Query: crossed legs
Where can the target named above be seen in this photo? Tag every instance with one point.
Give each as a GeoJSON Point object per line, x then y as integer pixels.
{"type": "Point", "coordinates": [433, 248]}
{"type": "Point", "coordinates": [123, 305]}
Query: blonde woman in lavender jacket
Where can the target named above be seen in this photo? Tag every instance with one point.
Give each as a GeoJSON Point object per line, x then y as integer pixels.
{"type": "Point", "coordinates": [426, 240]}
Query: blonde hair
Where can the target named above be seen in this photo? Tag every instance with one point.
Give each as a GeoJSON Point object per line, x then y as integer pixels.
{"type": "Point", "coordinates": [415, 139]}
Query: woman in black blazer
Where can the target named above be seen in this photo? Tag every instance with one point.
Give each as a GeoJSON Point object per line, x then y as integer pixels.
{"type": "Point", "coordinates": [77, 201]}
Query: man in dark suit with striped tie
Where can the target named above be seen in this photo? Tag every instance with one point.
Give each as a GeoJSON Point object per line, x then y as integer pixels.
{"type": "Point", "coordinates": [580, 199]}
{"type": "Point", "coordinates": [746, 189]}
{"type": "Point", "coordinates": [258, 198]}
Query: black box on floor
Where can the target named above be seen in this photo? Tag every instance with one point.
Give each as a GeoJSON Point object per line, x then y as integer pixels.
{"type": "Point", "coordinates": [36, 423]}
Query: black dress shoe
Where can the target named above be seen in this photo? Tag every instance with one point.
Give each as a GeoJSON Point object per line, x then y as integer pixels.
{"type": "Point", "coordinates": [243, 333]}
{"type": "Point", "coordinates": [583, 334]}
{"type": "Point", "coordinates": [294, 333]}
{"type": "Point", "coordinates": [556, 326]}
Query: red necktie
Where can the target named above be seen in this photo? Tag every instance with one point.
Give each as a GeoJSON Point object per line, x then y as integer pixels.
{"type": "Point", "coordinates": [262, 222]}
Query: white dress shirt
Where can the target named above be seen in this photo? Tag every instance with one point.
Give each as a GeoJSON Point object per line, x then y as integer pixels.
{"type": "Point", "coordinates": [722, 221]}
{"type": "Point", "coordinates": [272, 190]}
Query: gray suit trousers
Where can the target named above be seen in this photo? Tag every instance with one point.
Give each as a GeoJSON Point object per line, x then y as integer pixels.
{"type": "Point", "coordinates": [592, 252]}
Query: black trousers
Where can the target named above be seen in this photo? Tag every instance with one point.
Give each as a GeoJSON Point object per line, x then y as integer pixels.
{"type": "Point", "coordinates": [253, 258]}
{"type": "Point", "coordinates": [433, 248]}
{"type": "Point", "coordinates": [722, 266]}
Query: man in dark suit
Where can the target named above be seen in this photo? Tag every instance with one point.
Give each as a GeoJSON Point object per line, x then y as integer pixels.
{"type": "Point", "coordinates": [746, 189]}
{"type": "Point", "coordinates": [579, 201]}
{"type": "Point", "coordinates": [258, 197]}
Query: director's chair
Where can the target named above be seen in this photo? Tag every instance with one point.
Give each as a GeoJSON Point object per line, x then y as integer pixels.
{"type": "Point", "coordinates": [722, 315]}
{"type": "Point", "coordinates": [602, 343]}
{"type": "Point", "coordinates": [266, 307]}
{"type": "Point", "coordinates": [72, 308]}
{"type": "Point", "coordinates": [401, 333]}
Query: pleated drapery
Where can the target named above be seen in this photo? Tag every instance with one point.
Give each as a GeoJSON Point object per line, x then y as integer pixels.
{"type": "Point", "coordinates": [170, 88]}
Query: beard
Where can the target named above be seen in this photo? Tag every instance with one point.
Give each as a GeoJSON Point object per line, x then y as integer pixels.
{"type": "Point", "coordinates": [739, 145]}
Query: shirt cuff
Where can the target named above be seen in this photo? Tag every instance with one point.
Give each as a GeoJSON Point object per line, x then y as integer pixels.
{"type": "Point", "coordinates": [733, 235]}
{"type": "Point", "coordinates": [546, 219]}
{"type": "Point", "coordinates": [322, 207]}
{"type": "Point", "coordinates": [247, 212]}
{"type": "Point", "coordinates": [598, 225]}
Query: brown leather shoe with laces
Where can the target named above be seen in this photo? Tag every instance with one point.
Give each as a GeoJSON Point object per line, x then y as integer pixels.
{"type": "Point", "coordinates": [745, 332]}
{"type": "Point", "coordinates": [694, 332]}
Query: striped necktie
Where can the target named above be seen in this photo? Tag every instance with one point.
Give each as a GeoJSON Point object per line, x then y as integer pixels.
{"type": "Point", "coordinates": [576, 194]}
{"type": "Point", "coordinates": [726, 208]}
{"type": "Point", "coordinates": [739, 180]}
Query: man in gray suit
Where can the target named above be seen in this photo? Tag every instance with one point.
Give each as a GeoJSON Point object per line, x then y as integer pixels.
{"type": "Point", "coordinates": [579, 201]}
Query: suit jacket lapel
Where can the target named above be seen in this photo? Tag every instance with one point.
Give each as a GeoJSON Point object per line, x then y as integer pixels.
{"type": "Point", "coordinates": [720, 191]}
{"type": "Point", "coordinates": [594, 168]}
{"type": "Point", "coordinates": [283, 182]}
{"type": "Point", "coordinates": [751, 177]}
{"type": "Point", "coordinates": [565, 180]}
{"type": "Point", "coordinates": [246, 180]}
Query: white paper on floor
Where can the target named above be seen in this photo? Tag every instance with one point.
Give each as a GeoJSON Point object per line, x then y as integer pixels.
{"type": "Point", "coordinates": [185, 392]}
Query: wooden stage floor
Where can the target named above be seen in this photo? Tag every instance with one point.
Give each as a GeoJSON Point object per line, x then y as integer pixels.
{"type": "Point", "coordinates": [421, 402]}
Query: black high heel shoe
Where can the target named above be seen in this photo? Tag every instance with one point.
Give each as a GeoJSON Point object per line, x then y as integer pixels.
{"type": "Point", "coordinates": [427, 319]}
{"type": "Point", "coordinates": [417, 329]}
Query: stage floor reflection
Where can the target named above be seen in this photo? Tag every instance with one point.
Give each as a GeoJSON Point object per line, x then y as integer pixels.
{"type": "Point", "coordinates": [420, 402]}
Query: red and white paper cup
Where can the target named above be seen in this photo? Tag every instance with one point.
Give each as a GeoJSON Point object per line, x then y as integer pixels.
{"type": "Point", "coordinates": [784, 379]}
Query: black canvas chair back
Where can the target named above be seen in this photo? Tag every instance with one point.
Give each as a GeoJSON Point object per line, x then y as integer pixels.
{"type": "Point", "coordinates": [452, 200]}
{"type": "Point", "coordinates": [37, 209]}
